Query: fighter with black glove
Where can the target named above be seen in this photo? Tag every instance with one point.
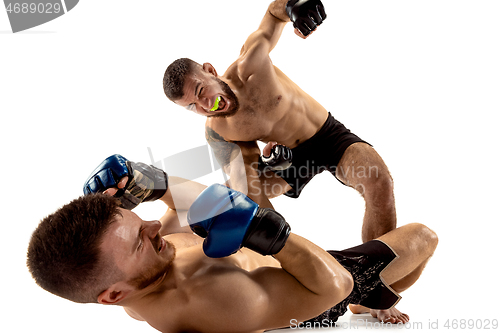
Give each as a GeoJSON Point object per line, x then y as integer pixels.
{"type": "Point", "coordinates": [280, 158]}
{"type": "Point", "coordinates": [306, 15]}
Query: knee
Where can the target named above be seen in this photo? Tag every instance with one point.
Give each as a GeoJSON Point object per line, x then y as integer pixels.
{"type": "Point", "coordinates": [432, 239]}
{"type": "Point", "coordinates": [428, 238]}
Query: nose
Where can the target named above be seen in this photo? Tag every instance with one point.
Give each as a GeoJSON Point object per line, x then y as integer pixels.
{"type": "Point", "coordinates": [152, 228]}
{"type": "Point", "coordinates": [205, 103]}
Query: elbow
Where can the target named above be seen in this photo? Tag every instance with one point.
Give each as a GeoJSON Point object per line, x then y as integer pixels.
{"type": "Point", "coordinates": [344, 284]}
{"type": "Point", "coordinates": [341, 288]}
{"type": "Point", "coordinates": [347, 284]}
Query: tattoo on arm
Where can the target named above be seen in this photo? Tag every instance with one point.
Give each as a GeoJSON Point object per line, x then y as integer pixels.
{"type": "Point", "coordinates": [224, 151]}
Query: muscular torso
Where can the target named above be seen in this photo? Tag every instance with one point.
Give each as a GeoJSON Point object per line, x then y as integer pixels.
{"type": "Point", "coordinates": [192, 278]}
{"type": "Point", "coordinates": [272, 108]}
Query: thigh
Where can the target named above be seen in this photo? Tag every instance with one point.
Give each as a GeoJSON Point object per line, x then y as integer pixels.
{"type": "Point", "coordinates": [361, 165]}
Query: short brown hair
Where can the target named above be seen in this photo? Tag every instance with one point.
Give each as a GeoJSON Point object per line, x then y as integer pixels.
{"type": "Point", "coordinates": [64, 254]}
{"type": "Point", "coordinates": [175, 75]}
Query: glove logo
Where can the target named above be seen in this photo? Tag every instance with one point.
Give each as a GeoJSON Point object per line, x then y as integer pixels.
{"type": "Point", "coordinates": [26, 14]}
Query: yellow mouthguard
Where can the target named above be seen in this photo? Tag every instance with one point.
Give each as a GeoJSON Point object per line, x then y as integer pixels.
{"type": "Point", "coordinates": [216, 105]}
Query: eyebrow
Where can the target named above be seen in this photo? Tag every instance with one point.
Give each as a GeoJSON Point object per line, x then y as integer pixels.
{"type": "Point", "coordinates": [196, 88]}
{"type": "Point", "coordinates": [195, 93]}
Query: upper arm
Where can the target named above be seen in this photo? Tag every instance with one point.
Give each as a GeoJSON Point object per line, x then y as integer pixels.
{"type": "Point", "coordinates": [181, 193]}
{"type": "Point", "coordinates": [260, 43]}
{"type": "Point", "coordinates": [174, 221]}
{"type": "Point", "coordinates": [268, 33]}
{"type": "Point", "coordinates": [240, 161]}
{"type": "Point", "coordinates": [225, 151]}
{"type": "Point", "coordinates": [179, 197]}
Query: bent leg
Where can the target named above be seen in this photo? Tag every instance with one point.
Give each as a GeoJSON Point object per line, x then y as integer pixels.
{"type": "Point", "coordinates": [362, 168]}
{"type": "Point", "coordinates": [415, 244]}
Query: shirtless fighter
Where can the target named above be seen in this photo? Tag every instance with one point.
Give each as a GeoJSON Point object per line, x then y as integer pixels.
{"type": "Point", "coordinates": [93, 251]}
{"type": "Point", "coordinates": [254, 101]}
{"type": "Point", "coordinates": [178, 285]}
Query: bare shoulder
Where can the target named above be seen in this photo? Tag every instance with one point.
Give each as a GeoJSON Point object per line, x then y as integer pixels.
{"type": "Point", "coordinates": [214, 130]}
{"type": "Point", "coordinates": [219, 129]}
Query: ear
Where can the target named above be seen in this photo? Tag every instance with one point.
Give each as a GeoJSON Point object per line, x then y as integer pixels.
{"type": "Point", "coordinates": [115, 294]}
{"type": "Point", "coordinates": [207, 67]}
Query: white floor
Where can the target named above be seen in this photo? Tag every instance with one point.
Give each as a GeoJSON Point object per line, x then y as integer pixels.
{"type": "Point", "coordinates": [417, 79]}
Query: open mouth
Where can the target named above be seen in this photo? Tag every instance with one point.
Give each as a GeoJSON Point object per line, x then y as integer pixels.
{"type": "Point", "coordinates": [219, 105]}
{"type": "Point", "coordinates": [162, 246]}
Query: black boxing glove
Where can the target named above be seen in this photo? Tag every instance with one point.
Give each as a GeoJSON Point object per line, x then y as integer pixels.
{"type": "Point", "coordinates": [268, 232]}
{"type": "Point", "coordinates": [280, 159]}
{"type": "Point", "coordinates": [306, 15]}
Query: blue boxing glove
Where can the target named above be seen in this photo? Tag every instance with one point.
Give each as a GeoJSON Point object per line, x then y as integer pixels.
{"type": "Point", "coordinates": [229, 220]}
{"type": "Point", "coordinates": [145, 182]}
{"type": "Point", "coordinates": [306, 15]}
{"type": "Point", "coordinates": [279, 159]}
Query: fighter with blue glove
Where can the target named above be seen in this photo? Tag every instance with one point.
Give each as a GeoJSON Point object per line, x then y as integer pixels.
{"type": "Point", "coordinates": [229, 220]}
{"type": "Point", "coordinates": [145, 182]}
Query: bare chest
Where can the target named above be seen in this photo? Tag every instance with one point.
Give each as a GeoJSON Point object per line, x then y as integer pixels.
{"type": "Point", "coordinates": [259, 111]}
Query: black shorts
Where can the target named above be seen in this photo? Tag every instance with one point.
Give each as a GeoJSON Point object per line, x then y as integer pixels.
{"type": "Point", "coordinates": [321, 152]}
{"type": "Point", "coordinates": [365, 263]}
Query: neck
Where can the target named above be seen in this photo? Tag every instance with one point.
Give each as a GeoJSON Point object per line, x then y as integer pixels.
{"type": "Point", "coordinates": [137, 300]}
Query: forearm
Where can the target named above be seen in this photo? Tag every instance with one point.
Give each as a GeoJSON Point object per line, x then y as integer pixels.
{"type": "Point", "coordinates": [255, 187]}
{"type": "Point", "coordinates": [181, 193]}
{"type": "Point", "coordinates": [179, 197]}
{"type": "Point", "coordinates": [277, 9]}
{"type": "Point", "coordinates": [245, 177]}
{"type": "Point", "coordinates": [315, 269]}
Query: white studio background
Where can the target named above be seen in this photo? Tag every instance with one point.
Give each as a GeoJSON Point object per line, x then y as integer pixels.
{"type": "Point", "coordinates": [417, 79]}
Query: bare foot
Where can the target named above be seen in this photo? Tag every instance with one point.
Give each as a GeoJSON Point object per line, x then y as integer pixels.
{"type": "Point", "coordinates": [393, 316]}
{"type": "Point", "coordinates": [358, 309]}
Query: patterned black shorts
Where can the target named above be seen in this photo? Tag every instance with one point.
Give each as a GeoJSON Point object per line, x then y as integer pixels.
{"type": "Point", "coordinates": [365, 262]}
